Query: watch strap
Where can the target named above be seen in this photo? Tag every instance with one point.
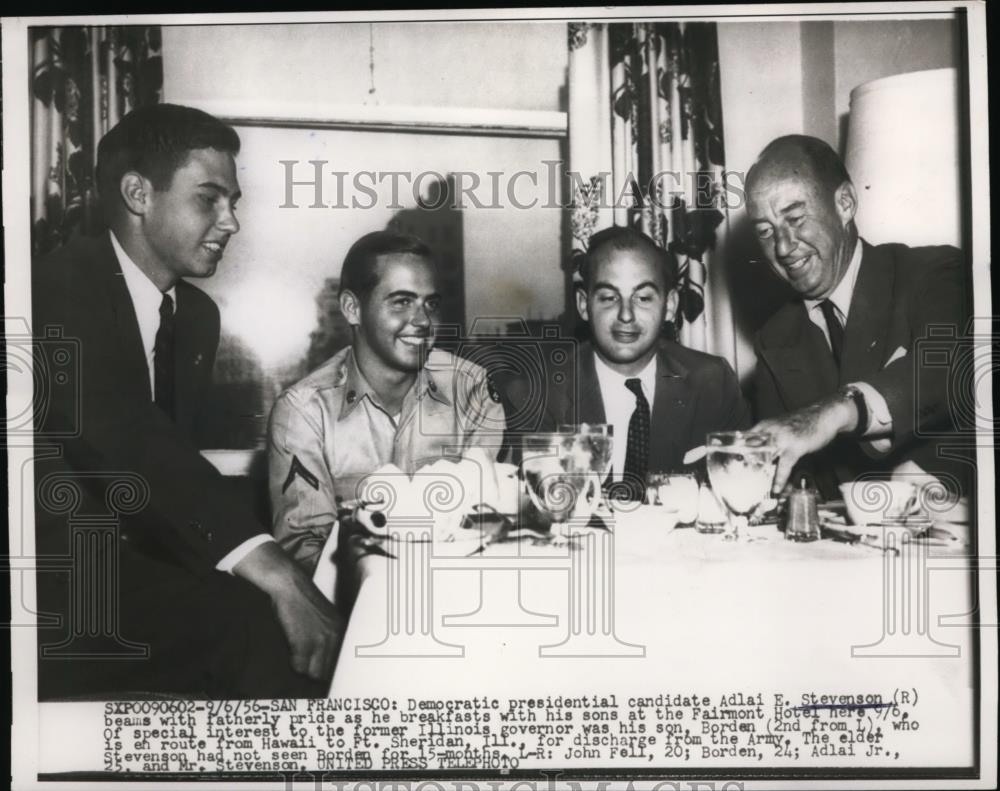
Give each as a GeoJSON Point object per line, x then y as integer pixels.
{"type": "Point", "coordinates": [858, 397]}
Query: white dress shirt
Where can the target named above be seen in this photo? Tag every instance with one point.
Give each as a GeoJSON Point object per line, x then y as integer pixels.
{"type": "Point", "coordinates": [619, 404]}
{"type": "Point", "coordinates": [146, 300]}
{"type": "Point", "coordinates": [879, 417]}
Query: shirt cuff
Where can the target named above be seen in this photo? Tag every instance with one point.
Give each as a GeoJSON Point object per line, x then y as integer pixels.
{"type": "Point", "coordinates": [879, 428]}
{"type": "Point", "coordinates": [228, 563]}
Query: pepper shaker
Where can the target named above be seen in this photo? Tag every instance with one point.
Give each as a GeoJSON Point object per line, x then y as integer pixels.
{"type": "Point", "coordinates": [802, 513]}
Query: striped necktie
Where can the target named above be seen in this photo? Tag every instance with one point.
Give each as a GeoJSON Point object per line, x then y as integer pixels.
{"type": "Point", "coordinates": [637, 450]}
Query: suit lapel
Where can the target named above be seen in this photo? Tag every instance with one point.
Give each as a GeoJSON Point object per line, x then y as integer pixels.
{"type": "Point", "coordinates": [799, 357]}
{"type": "Point", "coordinates": [189, 357]}
{"type": "Point", "coordinates": [869, 316]}
{"type": "Point", "coordinates": [135, 370]}
{"type": "Point", "coordinates": [588, 406]}
{"type": "Point", "coordinates": [671, 415]}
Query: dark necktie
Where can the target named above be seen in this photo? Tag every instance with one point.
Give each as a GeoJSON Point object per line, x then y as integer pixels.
{"type": "Point", "coordinates": [163, 359]}
{"type": "Point", "coordinates": [637, 450]}
{"type": "Point", "coordinates": [835, 329]}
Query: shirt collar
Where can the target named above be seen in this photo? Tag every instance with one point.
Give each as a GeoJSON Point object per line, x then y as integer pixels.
{"type": "Point", "coordinates": [610, 377]}
{"type": "Point", "coordinates": [841, 295]}
{"type": "Point", "coordinates": [427, 384]}
{"type": "Point", "coordinates": [356, 387]}
{"type": "Point", "coordinates": [146, 297]}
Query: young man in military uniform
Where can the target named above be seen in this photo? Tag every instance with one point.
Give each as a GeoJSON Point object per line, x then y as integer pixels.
{"type": "Point", "coordinates": [388, 397]}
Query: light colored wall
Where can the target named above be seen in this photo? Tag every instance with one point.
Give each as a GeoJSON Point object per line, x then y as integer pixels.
{"type": "Point", "coordinates": [819, 81]}
{"type": "Point", "coordinates": [865, 51]}
{"type": "Point", "coordinates": [785, 77]}
{"type": "Point", "coordinates": [469, 64]}
{"type": "Point", "coordinates": [759, 67]}
{"type": "Point", "coordinates": [509, 66]}
{"type": "Point", "coordinates": [837, 57]}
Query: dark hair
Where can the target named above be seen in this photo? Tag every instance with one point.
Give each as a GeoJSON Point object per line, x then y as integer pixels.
{"type": "Point", "coordinates": [154, 140]}
{"type": "Point", "coordinates": [825, 166]}
{"type": "Point", "coordinates": [360, 274]}
{"type": "Point", "coordinates": [619, 237]}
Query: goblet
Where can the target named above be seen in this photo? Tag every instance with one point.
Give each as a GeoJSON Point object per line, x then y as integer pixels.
{"type": "Point", "coordinates": [598, 438]}
{"type": "Point", "coordinates": [741, 469]}
{"type": "Point", "coordinates": [561, 473]}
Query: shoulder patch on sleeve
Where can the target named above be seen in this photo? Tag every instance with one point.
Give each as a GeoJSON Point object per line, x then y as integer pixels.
{"type": "Point", "coordinates": [297, 468]}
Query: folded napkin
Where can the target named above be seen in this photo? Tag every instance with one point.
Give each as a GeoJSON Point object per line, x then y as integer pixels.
{"type": "Point", "coordinates": [450, 500]}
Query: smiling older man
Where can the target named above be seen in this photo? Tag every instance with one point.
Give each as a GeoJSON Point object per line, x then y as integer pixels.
{"type": "Point", "coordinates": [839, 379]}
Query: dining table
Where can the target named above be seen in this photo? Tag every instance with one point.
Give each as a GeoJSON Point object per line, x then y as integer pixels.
{"type": "Point", "coordinates": [647, 615]}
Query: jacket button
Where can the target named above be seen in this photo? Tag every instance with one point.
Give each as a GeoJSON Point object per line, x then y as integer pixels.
{"type": "Point", "coordinates": [209, 536]}
{"type": "Point", "coordinates": [351, 396]}
{"type": "Point", "coordinates": [195, 524]}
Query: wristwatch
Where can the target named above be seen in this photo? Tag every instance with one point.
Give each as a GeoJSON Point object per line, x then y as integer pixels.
{"type": "Point", "coordinates": [854, 394]}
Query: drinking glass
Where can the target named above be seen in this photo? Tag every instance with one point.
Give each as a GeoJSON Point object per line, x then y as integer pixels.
{"type": "Point", "coordinates": [741, 469]}
{"type": "Point", "coordinates": [562, 474]}
{"type": "Point", "coordinates": [600, 439]}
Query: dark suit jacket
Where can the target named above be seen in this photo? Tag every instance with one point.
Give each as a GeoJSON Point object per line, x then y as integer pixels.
{"type": "Point", "coordinates": [191, 518]}
{"type": "Point", "coordinates": [900, 292]}
{"type": "Point", "coordinates": [696, 393]}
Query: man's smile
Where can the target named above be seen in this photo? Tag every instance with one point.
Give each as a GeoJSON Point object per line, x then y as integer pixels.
{"type": "Point", "coordinates": [414, 341]}
{"type": "Point", "coordinates": [215, 248]}
{"type": "Point", "coordinates": [626, 335]}
{"type": "Point", "coordinates": [798, 265]}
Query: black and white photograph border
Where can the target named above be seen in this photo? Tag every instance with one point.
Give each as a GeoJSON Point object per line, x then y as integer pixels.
{"type": "Point", "coordinates": [621, 643]}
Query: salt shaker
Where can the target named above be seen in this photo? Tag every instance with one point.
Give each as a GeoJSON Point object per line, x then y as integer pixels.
{"type": "Point", "coordinates": [802, 513]}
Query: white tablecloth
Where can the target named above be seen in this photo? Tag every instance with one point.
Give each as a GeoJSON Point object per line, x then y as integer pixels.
{"type": "Point", "coordinates": [688, 612]}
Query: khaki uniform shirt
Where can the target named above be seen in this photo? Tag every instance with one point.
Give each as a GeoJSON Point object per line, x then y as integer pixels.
{"type": "Point", "coordinates": [328, 431]}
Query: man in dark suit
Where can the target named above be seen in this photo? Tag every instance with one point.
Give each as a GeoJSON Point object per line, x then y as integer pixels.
{"type": "Point", "coordinates": [839, 376]}
{"type": "Point", "coordinates": [194, 595]}
{"type": "Point", "coordinates": [660, 397]}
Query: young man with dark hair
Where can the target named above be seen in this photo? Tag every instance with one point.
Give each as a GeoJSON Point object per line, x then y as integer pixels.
{"type": "Point", "coordinates": [660, 397]}
{"type": "Point", "coordinates": [388, 397]}
{"type": "Point", "coordinates": [200, 586]}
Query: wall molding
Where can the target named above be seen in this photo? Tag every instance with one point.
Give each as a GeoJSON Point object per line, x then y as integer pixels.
{"type": "Point", "coordinates": [394, 118]}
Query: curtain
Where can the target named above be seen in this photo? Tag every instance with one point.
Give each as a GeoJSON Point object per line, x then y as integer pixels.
{"type": "Point", "coordinates": [84, 79]}
{"type": "Point", "coordinates": [646, 150]}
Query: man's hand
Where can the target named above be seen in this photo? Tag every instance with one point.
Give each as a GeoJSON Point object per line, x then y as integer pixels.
{"type": "Point", "coordinates": [807, 430]}
{"type": "Point", "coordinates": [313, 628]}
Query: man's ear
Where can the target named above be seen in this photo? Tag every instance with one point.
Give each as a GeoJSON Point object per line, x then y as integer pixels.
{"type": "Point", "coordinates": [846, 201]}
{"type": "Point", "coordinates": [581, 302]}
{"type": "Point", "coordinates": [135, 190]}
{"type": "Point", "coordinates": [350, 306]}
{"type": "Point", "coordinates": [673, 301]}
